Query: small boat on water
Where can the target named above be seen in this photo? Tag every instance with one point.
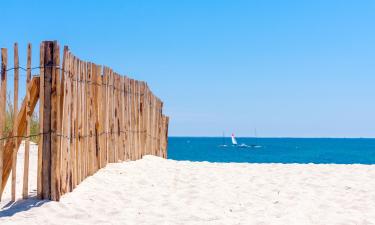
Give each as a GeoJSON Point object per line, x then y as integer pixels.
{"type": "Point", "coordinates": [235, 144]}
{"type": "Point", "coordinates": [243, 145]}
{"type": "Point", "coordinates": [223, 145]}
{"type": "Point", "coordinates": [255, 137]}
{"type": "Point", "coordinates": [234, 141]}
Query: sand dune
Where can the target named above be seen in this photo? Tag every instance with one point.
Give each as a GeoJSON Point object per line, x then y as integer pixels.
{"type": "Point", "coordinates": [159, 191]}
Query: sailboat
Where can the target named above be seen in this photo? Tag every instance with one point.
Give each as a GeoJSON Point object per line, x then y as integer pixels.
{"type": "Point", "coordinates": [223, 145]}
{"type": "Point", "coordinates": [234, 143]}
{"type": "Point", "coordinates": [243, 145]}
{"type": "Point", "coordinates": [255, 137]}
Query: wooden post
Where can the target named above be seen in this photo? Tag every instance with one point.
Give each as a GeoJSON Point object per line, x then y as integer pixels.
{"type": "Point", "coordinates": [46, 149]}
{"type": "Point", "coordinates": [25, 187]}
{"type": "Point", "coordinates": [139, 146]}
{"type": "Point", "coordinates": [147, 105]}
{"type": "Point", "coordinates": [135, 115]}
{"type": "Point", "coordinates": [4, 61]}
{"type": "Point", "coordinates": [85, 122]}
{"type": "Point", "coordinates": [73, 156]}
{"type": "Point", "coordinates": [115, 116]}
{"type": "Point", "coordinates": [15, 112]}
{"type": "Point", "coordinates": [166, 137]}
{"type": "Point", "coordinates": [111, 118]}
{"type": "Point", "coordinates": [123, 127]}
{"type": "Point", "coordinates": [101, 110]}
{"type": "Point", "coordinates": [90, 119]}
{"type": "Point", "coordinates": [97, 86]}
{"type": "Point", "coordinates": [141, 115]}
{"type": "Point", "coordinates": [106, 115]}
{"type": "Point", "coordinates": [131, 127]}
{"type": "Point", "coordinates": [41, 118]}
{"type": "Point", "coordinates": [55, 123]}
{"type": "Point", "coordinates": [127, 119]}
{"type": "Point", "coordinates": [50, 154]}
{"type": "Point", "coordinates": [65, 130]}
{"type": "Point", "coordinates": [128, 125]}
{"type": "Point", "coordinates": [78, 173]}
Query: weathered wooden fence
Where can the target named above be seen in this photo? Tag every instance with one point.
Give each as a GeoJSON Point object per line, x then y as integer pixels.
{"type": "Point", "coordinates": [88, 116]}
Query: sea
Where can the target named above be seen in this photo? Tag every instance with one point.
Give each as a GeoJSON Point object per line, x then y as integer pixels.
{"type": "Point", "coordinates": [274, 150]}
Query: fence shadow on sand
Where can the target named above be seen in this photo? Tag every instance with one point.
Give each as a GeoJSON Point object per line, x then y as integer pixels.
{"type": "Point", "coordinates": [21, 205]}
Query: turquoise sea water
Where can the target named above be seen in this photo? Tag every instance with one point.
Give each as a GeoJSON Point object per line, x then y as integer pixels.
{"type": "Point", "coordinates": [274, 150]}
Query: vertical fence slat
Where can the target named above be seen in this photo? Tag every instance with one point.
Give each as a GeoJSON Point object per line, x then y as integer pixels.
{"type": "Point", "coordinates": [73, 168]}
{"type": "Point", "coordinates": [141, 123]}
{"type": "Point", "coordinates": [123, 127]}
{"type": "Point", "coordinates": [41, 117]}
{"type": "Point", "coordinates": [4, 61]}
{"type": "Point", "coordinates": [102, 119]}
{"type": "Point", "coordinates": [137, 119]}
{"type": "Point", "coordinates": [90, 158]}
{"type": "Point", "coordinates": [15, 112]}
{"type": "Point", "coordinates": [75, 152]}
{"type": "Point", "coordinates": [55, 124]}
{"type": "Point", "coordinates": [166, 136]}
{"type": "Point", "coordinates": [126, 118]}
{"type": "Point", "coordinates": [25, 188]}
{"type": "Point", "coordinates": [106, 111]}
{"type": "Point", "coordinates": [135, 124]}
{"type": "Point", "coordinates": [79, 143]}
{"type": "Point", "coordinates": [64, 115]}
{"type": "Point", "coordinates": [97, 115]}
{"type": "Point", "coordinates": [147, 119]}
{"type": "Point", "coordinates": [46, 149]}
{"type": "Point", "coordinates": [116, 122]}
{"type": "Point", "coordinates": [129, 116]}
{"type": "Point", "coordinates": [132, 120]}
{"type": "Point", "coordinates": [112, 149]}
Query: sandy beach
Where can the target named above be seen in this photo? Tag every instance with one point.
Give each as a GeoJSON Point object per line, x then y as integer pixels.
{"type": "Point", "coordinates": [159, 191]}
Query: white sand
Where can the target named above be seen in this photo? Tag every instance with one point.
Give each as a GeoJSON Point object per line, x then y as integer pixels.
{"type": "Point", "coordinates": [159, 191]}
{"type": "Point", "coordinates": [32, 174]}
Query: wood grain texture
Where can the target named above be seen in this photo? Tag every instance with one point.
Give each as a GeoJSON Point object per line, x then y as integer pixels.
{"type": "Point", "coordinates": [25, 187]}
{"type": "Point", "coordinates": [41, 109]}
{"type": "Point", "coordinates": [46, 149]}
{"type": "Point", "coordinates": [55, 124]}
{"type": "Point", "coordinates": [15, 112]}
{"type": "Point", "coordinates": [3, 91]}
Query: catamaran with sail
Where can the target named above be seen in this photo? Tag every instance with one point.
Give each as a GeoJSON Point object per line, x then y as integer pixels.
{"type": "Point", "coordinates": [242, 145]}
{"type": "Point", "coordinates": [234, 143]}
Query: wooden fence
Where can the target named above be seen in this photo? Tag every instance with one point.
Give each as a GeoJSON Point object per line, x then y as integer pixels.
{"type": "Point", "coordinates": [88, 116]}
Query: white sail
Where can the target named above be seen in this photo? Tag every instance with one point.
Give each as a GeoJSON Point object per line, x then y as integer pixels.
{"type": "Point", "coordinates": [234, 141]}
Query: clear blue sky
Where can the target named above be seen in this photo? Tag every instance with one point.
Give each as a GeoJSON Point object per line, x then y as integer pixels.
{"type": "Point", "coordinates": [287, 68]}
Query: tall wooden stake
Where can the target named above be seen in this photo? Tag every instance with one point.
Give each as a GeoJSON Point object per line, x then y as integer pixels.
{"type": "Point", "coordinates": [4, 61]}
{"type": "Point", "coordinates": [25, 189]}
{"type": "Point", "coordinates": [46, 149]}
{"type": "Point", "coordinates": [55, 123]}
{"type": "Point", "coordinates": [41, 127]}
{"type": "Point", "coordinates": [15, 112]}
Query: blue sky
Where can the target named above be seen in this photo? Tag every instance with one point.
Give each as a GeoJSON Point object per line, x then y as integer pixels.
{"type": "Point", "coordinates": [287, 68]}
